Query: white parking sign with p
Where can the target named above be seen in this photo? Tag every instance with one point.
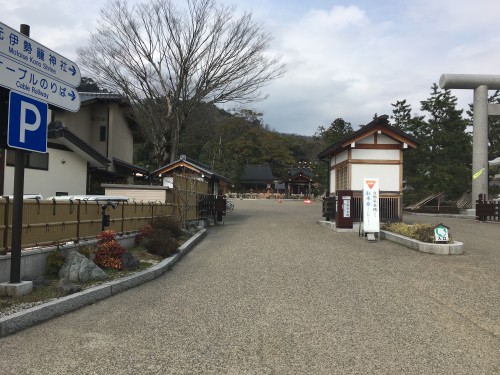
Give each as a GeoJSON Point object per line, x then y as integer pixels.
{"type": "Point", "coordinates": [27, 123]}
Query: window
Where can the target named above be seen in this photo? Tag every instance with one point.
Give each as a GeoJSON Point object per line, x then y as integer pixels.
{"type": "Point", "coordinates": [33, 160]}
{"type": "Point", "coordinates": [342, 178]}
{"type": "Point", "coordinates": [102, 134]}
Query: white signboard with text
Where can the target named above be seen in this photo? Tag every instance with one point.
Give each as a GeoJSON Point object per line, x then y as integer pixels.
{"type": "Point", "coordinates": [371, 218]}
{"type": "Point", "coordinates": [32, 69]}
{"type": "Point", "coordinates": [35, 56]}
{"type": "Point", "coordinates": [346, 206]}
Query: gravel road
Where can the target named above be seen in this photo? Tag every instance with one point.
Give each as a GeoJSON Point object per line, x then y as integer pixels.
{"type": "Point", "coordinates": [272, 292]}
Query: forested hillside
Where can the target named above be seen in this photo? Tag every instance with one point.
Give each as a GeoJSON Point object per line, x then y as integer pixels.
{"type": "Point", "coordinates": [229, 141]}
{"type": "Point", "coordinates": [441, 163]}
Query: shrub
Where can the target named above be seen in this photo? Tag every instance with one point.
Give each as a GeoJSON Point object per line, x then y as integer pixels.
{"type": "Point", "coordinates": [162, 236]}
{"type": "Point", "coordinates": [144, 232]}
{"type": "Point", "coordinates": [55, 261]}
{"type": "Point", "coordinates": [161, 244]}
{"type": "Point", "coordinates": [417, 231]}
{"type": "Point", "coordinates": [166, 224]}
{"type": "Point", "coordinates": [88, 251]}
{"type": "Point", "coordinates": [424, 232]}
{"type": "Point", "coordinates": [109, 251]}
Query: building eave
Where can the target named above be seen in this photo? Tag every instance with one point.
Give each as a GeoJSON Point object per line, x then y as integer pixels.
{"type": "Point", "coordinates": [58, 133]}
{"type": "Point", "coordinates": [381, 124]}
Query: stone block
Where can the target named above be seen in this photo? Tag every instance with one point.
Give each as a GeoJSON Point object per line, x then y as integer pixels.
{"type": "Point", "coordinates": [431, 248]}
{"type": "Point", "coordinates": [456, 248]}
{"type": "Point", "coordinates": [131, 281]}
{"type": "Point", "coordinates": [16, 289]}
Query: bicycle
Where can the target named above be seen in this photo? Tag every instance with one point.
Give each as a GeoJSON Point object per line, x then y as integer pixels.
{"type": "Point", "coordinates": [229, 206]}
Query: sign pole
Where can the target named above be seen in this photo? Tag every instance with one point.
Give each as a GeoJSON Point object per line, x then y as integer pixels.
{"type": "Point", "coordinates": [17, 214]}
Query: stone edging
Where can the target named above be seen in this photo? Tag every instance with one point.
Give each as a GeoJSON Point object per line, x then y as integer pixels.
{"type": "Point", "coordinates": [26, 318]}
{"type": "Point", "coordinates": [454, 248]}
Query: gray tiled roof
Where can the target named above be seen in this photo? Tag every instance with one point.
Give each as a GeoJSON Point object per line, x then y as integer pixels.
{"type": "Point", "coordinates": [206, 169]}
{"type": "Point", "coordinates": [100, 96]}
{"type": "Point", "coordinates": [258, 173]}
{"type": "Point", "coordinates": [381, 120]}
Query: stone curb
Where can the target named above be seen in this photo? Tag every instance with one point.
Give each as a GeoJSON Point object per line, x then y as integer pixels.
{"type": "Point", "coordinates": [453, 216]}
{"type": "Point", "coordinates": [29, 317]}
{"type": "Point", "coordinates": [454, 248]}
{"type": "Point", "coordinates": [333, 226]}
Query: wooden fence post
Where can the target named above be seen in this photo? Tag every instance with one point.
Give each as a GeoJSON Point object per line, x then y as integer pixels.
{"type": "Point", "coordinates": [123, 218]}
{"type": "Point", "coordinates": [6, 224]}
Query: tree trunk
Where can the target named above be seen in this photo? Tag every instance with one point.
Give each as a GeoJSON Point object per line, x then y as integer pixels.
{"type": "Point", "coordinates": [175, 141]}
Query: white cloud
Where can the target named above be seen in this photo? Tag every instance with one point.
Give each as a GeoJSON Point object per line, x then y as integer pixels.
{"type": "Point", "coordinates": [352, 61]}
{"type": "Point", "coordinates": [345, 59]}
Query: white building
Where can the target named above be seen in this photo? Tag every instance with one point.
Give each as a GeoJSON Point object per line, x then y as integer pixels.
{"type": "Point", "coordinates": [374, 151]}
{"type": "Point", "coordinates": [84, 150]}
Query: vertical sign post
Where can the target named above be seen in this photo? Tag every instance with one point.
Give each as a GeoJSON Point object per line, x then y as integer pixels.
{"type": "Point", "coordinates": [371, 216]}
{"type": "Point", "coordinates": [17, 214]}
{"type": "Point", "coordinates": [36, 76]}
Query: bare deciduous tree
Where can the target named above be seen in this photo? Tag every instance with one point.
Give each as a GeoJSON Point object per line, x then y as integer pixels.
{"type": "Point", "coordinates": [167, 59]}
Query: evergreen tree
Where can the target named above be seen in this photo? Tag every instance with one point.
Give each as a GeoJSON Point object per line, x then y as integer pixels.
{"type": "Point", "coordinates": [89, 85]}
{"type": "Point", "coordinates": [414, 159]}
{"type": "Point", "coordinates": [494, 146]}
{"type": "Point", "coordinates": [493, 138]}
{"type": "Point", "coordinates": [338, 129]}
{"type": "Point", "coordinates": [445, 151]}
{"type": "Point", "coordinates": [401, 114]}
{"type": "Point", "coordinates": [494, 129]}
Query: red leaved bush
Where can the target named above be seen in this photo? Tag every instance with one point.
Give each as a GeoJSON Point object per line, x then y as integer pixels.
{"type": "Point", "coordinates": [109, 251]}
{"type": "Point", "coordinates": [144, 232]}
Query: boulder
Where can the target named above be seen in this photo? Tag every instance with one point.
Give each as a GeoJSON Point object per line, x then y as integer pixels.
{"type": "Point", "coordinates": [129, 262]}
{"type": "Point", "coordinates": [66, 287]}
{"type": "Point", "coordinates": [77, 268]}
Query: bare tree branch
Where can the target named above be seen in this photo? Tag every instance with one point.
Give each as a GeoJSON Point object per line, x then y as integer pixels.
{"type": "Point", "coordinates": [167, 59]}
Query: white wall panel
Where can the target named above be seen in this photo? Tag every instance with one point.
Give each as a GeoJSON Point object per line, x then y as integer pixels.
{"type": "Point", "coordinates": [339, 158]}
{"type": "Point", "coordinates": [332, 181]}
{"type": "Point", "coordinates": [70, 176]}
{"type": "Point", "coordinates": [363, 154]}
{"type": "Point", "coordinates": [367, 140]}
{"type": "Point", "coordinates": [388, 176]}
{"type": "Point", "coordinates": [385, 140]}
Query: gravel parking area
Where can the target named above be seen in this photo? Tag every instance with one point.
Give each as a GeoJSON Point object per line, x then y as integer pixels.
{"type": "Point", "coordinates": [272, 292]}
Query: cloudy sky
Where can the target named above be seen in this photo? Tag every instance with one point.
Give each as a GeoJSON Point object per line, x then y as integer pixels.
{"type": "Point", "coordinates": [348, 59]}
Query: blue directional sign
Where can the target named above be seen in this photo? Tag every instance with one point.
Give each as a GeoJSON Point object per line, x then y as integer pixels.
{"type": "Point", "coordinates": [27, 128]}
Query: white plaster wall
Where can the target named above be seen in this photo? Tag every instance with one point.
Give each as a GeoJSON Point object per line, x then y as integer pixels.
{"type": "Point", "coordinates": [367, 140]}
{"type": "Point", "coordinates": [385, 140]}
{"type": "Point", "coordinates": [332, 181]}
{"type": "Point", "coordinates": [121, 141]}
{"type": "Point", "coordinates": [139, 195]}
{"type": "Point", "coordinates": [363, 154]}
{"type": "Point", "coordinates": [99, 117]}
{"type": "Point", "coordinates": [77, 122]}
{"type": "Point", "coordinates": [388, 176]}
{"type": "Point", "coordinates": [339, 158]}
{"type": "Point", "coordinates": [70, 177]}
